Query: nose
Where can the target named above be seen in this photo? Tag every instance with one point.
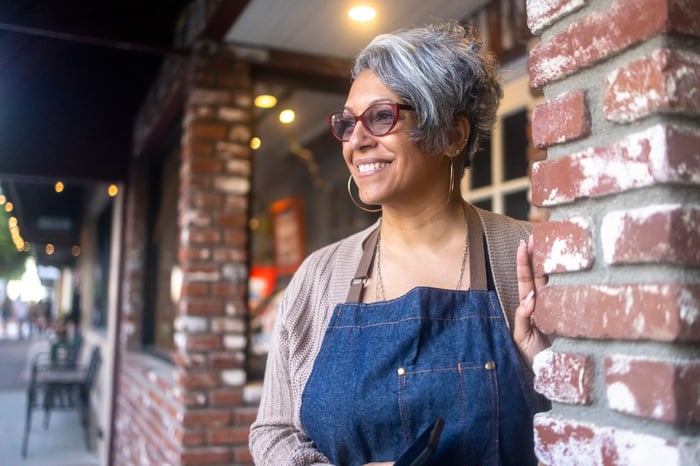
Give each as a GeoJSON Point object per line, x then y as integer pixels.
{"type": "Point", "coordinates": [359, 135]}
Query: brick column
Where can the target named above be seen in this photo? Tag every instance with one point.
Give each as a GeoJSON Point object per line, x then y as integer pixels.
{"type": "Point", "coordinates": [211, 339]}
{"type": "Point", "coordinates": [621, 127]}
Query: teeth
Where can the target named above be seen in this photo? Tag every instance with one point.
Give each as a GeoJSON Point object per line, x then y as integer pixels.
{"type": "Point", "coordinates": [371, 166]}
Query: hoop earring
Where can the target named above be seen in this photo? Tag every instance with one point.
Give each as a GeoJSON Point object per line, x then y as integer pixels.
{"type": "Point", "coordinates": [372, 211]}
{"type": "Point", "coordinates": [452, 181]}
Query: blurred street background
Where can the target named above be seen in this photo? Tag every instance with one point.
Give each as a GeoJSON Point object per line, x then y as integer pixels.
{"type": "Point", "coordinates": [62, 444]}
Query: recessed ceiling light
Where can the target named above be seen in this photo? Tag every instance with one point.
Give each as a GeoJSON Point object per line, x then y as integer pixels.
{"type": "Point", "coordinates": [265, 101]}
{"type": "Point", "coordinates": [287, 116]}
{"type": "Point", "coordinates": [362, 13]}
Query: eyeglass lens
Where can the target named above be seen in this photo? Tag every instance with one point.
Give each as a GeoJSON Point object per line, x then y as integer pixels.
{"type": "Point", "coordinates": [378, 120]}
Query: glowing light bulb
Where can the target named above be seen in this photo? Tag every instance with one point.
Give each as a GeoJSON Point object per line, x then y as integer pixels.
{"type": "Point", "coordinates": [362, 13]}
{"type": "Point", "coordinates": [265, 101]}
{"type": "Point", "coordinates": [287, 116]}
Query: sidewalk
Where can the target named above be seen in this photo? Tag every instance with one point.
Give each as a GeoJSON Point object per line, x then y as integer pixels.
{"type": "Point", "coordinates": [62, 444]}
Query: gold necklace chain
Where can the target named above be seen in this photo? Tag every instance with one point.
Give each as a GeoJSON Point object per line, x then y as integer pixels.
{"type": "Point", "coordinates": [380, 282]}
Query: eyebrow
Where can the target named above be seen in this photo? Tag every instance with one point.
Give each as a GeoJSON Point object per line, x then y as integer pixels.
{"type": "Point", "coordinates": [381, 100]}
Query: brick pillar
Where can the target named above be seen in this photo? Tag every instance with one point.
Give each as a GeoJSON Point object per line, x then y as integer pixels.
{"type": "Point", "coordinates": [215, 177]}
{"type": "Point", "coordinates": [621, 126]}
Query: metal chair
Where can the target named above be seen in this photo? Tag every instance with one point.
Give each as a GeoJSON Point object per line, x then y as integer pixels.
{"type": "Point", "coordinates": [51, 388]}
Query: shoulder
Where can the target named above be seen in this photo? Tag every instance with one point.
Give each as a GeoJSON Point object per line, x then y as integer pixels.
{"type": "Point", "coordinates": [324, 277]}
{"type": "Point", "coordinates": [501, 227]}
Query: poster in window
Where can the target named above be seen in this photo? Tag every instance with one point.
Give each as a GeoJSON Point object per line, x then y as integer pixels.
{"type": "Point", "coordinates": [288, 235]}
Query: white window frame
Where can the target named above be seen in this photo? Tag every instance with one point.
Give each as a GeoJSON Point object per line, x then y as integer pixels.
{"type": "Point", "coordinates": [517, 96]}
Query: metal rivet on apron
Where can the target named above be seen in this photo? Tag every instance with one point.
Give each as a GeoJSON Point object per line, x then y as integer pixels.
{"type": "Point", "coordinates": [490, 365]}
{"type": "Point", "coordinates": [401, 371]}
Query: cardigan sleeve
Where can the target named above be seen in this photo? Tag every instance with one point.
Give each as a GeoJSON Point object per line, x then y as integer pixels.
{"type": "Point", "coordinates": [277, 437]}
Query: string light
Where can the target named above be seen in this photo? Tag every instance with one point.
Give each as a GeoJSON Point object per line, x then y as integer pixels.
{"type": "Point", "coordinates": [59, 186]}
{"type": "Point", "coordinates": [112, 190]}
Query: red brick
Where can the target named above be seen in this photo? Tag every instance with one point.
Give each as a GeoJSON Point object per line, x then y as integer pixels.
{"type": "Point", "coordinates": [235, 237]}
{"type": "Point", "coordinates": [664, 81]}
{"type": "Point", "coordinates": [541, 14]}
{"type": "Point", "coordinates": [238, 204]}
{"type": "Point", "coordinates": [193, 290]}
{"type": "Point", "coordinates": [197, 149]}
{"type": "Point", "coordinates": [228, 397]}
{"type": "Point", "coordinates": [242, 456]}
{"type": "Point", "coordinates": [653, 388]}
{"type": "Point", "coordinates": [198, 235]}
{"type": "Point", "coordinates": [232, 220]}
{"type": "Point", "coordinates": [192, 380]}
{"type": "Point", "coordinates": [233, 150]}
{"type": "Point", "coordinates": [653, 311]}
{"type": "Point", "coordinates": [189, 254]}
{"type": "Point", "coordinates": [563, 246]}
{"type": "Point", "coordinates": [229, 290]}
{"type": "Point", "coordinates": [201, 166]}
{"type": "Point", "coordinates": [203, 342]}
{"type": "Point", "coordinates": [190, 437]}
{"type": "Point", "coordinates": [564, 377]}
{"type": "Point", "coordinates": [205, 201]}
{"type": "Point", "coordinates": [227, 360]}
{"type": "Point", "coordinates": [205, 417]}
{"type": "Point", "coordinates": [201, 272]}
{"type": "Point", "coordinates": [203, 96]}
{"type": "Point", "coordinates": [561, 120]}
{"type": "Point", "coordinates": [230, 254]}
{"type": "Point", "coordinates": [209, 130]}
{"type": "Point", "coordinates": [604, 33]}
{"type": "Point", "coordinates": [201, 307]}
{"type": "Point", "coordinates": [229, 435]}
{"type": "Point", "coordinates": [245, 414]}
{"type": "Point", "coordinates": [194, 183]}
{"type": "Point", "coordinates": [661, 154]}
{"type": "Point", "coordinates": [655, 234]}
{"type": "Point", "coordinates": [204, 456]}
{"type": "Point", "coordinates": [560, 441]}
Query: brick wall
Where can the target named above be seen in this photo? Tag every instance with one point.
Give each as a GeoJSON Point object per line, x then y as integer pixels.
{"type": "Point", "coordinates": [621, 127]}
{"type": "Point", "coordinates": [195, 412]}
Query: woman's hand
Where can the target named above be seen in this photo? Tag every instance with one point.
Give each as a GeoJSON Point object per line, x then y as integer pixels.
{"type": "Point", "coordinates": [527, 336]}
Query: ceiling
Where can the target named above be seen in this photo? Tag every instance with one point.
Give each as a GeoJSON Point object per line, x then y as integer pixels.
{"type": "Point", "coordinates": [74, 73]}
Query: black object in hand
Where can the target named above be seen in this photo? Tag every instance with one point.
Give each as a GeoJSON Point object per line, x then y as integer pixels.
{"type": "Point", "coordinates": [422, 449]}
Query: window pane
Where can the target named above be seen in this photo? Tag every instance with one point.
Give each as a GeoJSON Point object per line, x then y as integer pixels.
{"type": "Point", "coordinates": [517, 205]}
{"type": "Point", "coordinates": [485, 204]}
{"type": "Point", "coordinates": [515, 143]}
{"type": "Point", "coordinates": [480, 171]}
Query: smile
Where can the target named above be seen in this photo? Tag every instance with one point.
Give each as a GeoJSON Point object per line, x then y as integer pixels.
{"type": "Point", "coordinates": [366, 167]}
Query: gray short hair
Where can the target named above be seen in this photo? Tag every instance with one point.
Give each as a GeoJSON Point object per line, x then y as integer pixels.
{"type": "Point", "coordinates": [442, 71]}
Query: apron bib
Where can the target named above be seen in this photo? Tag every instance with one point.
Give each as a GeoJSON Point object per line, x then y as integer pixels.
{"type": "Point", "coordinates": [385, 370]}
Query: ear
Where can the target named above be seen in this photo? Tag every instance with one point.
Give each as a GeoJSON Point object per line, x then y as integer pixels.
{"type": "Point", "coordinates": [460, 134]}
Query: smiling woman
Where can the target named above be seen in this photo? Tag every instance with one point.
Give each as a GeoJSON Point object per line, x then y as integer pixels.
{"type": "Point", "coordinates": [397, 321]}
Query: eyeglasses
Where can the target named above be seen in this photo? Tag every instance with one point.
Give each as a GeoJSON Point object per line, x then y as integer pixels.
{"type": "Point", "coordinates": [378, 120]}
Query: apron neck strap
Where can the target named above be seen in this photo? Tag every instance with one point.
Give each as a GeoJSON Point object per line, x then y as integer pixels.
{"type": "Point", "coordinates": [477, 255]}
{"type": "Point", "coordinates": [363, 268]}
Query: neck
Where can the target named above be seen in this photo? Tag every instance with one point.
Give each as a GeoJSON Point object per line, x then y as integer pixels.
{"type": "Point", "coordinates": [429, 226]}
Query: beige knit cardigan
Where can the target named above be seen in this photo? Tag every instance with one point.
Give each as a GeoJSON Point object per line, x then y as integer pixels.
{"type": "Point", "coordinates": [277, 437]}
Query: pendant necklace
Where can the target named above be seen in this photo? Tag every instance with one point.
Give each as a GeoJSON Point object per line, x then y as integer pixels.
{"type": "Point", "coordinates": [379, 294]}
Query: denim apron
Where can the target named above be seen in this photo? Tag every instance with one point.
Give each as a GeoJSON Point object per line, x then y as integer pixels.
{"type": "Point", "coordinates": [385, 370]}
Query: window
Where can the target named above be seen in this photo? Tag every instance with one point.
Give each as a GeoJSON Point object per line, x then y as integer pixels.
{"type": "Point", "coordinates": [498, 179]}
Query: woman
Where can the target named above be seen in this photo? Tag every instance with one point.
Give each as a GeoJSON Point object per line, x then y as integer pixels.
{"type": "Point", "coordinates": [427, 312]}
